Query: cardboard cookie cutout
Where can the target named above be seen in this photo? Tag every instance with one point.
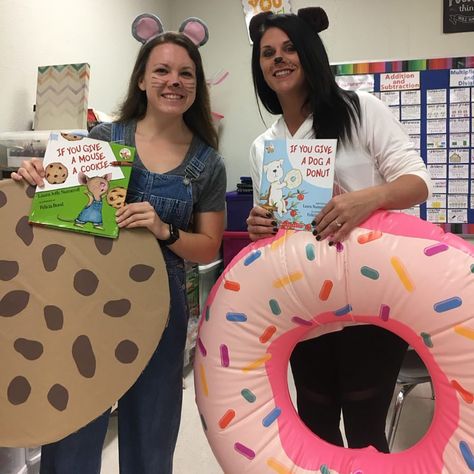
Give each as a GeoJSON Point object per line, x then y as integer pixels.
{"type": "Point", "coordinates": [80, 317]}
{"type": "Point", "coordinates": [147, 26]}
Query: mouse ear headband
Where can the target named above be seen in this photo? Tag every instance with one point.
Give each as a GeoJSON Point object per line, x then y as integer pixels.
{"type": "Point", "coordinates": [315, 17]}
{"type": "Point", "coordinates": [147, 26]}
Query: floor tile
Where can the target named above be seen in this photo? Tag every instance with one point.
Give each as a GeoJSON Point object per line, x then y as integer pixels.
{"type": "Point", "coordinates": [194, 455]}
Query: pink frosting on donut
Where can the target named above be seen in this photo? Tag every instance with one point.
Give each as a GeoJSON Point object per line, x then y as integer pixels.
{"type": "Point", "coordinates": [280, 290]}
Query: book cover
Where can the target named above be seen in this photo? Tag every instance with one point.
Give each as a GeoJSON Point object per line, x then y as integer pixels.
{"type": "Point", "coordinates": [86, 181]}
{"type": "Point", "coordinates": [297, 179]}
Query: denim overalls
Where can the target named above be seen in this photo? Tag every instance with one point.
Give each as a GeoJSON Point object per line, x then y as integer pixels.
{"type": "Point", "coordinates": [149, 412]}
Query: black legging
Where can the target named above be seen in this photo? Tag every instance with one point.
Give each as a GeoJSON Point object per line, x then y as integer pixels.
{"type": "Point", "coordinates": [353, 371]}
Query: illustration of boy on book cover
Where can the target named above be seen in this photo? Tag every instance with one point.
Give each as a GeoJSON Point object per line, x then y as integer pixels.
{"type": "Point", "coordinates": [297, 180]}
{"type": "Point", "coordinates": [86, 181]}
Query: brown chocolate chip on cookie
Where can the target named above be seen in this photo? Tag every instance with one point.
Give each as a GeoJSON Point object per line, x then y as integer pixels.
{"type": "Point", "coordinates": [56, 173]}
{"type": "Point", "coordinates": [116, 197]}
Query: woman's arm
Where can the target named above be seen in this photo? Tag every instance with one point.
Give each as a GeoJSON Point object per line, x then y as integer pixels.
{"type": "Point", "coordinates": [350, 209]}
{"type": "Point", "coordinates": [200, 246]}
{"type": "Point", "coordinates": [407, 181]}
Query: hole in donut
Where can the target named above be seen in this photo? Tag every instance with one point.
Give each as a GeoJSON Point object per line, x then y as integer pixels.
{"type": "Point", "coordinates": [349, 386]}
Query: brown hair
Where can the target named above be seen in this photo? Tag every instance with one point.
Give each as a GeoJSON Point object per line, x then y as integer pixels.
{"type": "Point", "coordinates": [198, 117]}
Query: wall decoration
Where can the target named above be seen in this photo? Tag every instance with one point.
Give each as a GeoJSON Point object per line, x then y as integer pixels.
{"type": "Point", "coordinates": [434, 101]}
{"type": "Point", "coordinates": [61, 97]}
{"type": "Point", "coordinates": [252, 7]}
{"type": "Point", "coordinates": [458, 16]}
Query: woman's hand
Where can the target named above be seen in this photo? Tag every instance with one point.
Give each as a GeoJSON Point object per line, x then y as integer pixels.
{"type": "Point", "coordinates": [344, 212]}
{"type": "Point", "coordinates": [261, 224]}
{"type": "Point", "coordinates": [31, 171]}
{"type": "Point", "coordinates": [142, 214]}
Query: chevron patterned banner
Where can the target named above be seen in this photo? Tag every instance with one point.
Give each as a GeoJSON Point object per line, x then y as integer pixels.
{"type": "Point", "coordinates": [61, 97]}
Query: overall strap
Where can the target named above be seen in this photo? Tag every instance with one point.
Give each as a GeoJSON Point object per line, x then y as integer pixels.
{"type": "Point", "coordinates": [198, 162]}
{"type": "Point", "coordinates": [118, 130]}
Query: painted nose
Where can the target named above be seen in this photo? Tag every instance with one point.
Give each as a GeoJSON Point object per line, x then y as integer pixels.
{"type": "Point", "coordinates": [278, 60]}
{"type": "Point", "coordinates": [175, 84]}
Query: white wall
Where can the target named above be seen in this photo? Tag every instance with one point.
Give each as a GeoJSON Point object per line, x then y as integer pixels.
{"type": "Point", "coordinates": [228, 49]}
{"type": "Point", "coordinates": [43, 32]}
{"type": "Point", "coordinates": [359, 30]}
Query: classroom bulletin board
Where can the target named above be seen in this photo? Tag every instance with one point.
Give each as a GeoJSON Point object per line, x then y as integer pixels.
{"type": "Point", "coordinates": [434, 101]}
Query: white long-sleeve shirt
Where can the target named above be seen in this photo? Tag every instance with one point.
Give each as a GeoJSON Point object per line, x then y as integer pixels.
{"type": "Point", "coordinates": [380, 150]}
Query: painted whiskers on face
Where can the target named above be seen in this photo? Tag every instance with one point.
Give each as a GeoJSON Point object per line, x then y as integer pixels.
{"type": "Point", "coordinates": [283, 68]}
{"type": "Point", "coordinates": [169, 80]}
{"type": "Point", "coordinates": [189, 86]}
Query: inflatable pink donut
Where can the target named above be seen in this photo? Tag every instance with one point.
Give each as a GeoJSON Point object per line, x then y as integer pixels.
{"type": "Point", "coordinates": [280, 290]}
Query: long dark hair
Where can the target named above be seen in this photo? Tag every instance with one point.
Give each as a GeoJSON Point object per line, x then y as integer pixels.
{"type": "Point", "coordinates": [334, 109]}
{"type": "Point", "coordinates": [198, 117]}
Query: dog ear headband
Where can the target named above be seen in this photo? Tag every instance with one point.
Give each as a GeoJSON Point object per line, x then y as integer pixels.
{"type": "Point", "coordinates": [316, 17]}
{"type": "Point", "coordinates": [147, 26]}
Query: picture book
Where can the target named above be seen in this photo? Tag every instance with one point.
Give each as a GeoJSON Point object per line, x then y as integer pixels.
{"type": "Point", "coordinates": [86, 181]}
{"type": "Point", "coordinates": [297, 179]}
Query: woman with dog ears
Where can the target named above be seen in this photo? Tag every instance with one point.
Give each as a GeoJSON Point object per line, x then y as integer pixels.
{"type": "Point", "coordinates": [178, 181]}
{"type": "Point", "coordinates": [376, 167]}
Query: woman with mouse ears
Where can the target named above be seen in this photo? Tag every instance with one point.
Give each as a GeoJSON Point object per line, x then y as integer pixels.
{"type": "Point", "coordinates": [177, 184]}
{"type": "Point", "coordinates": [352, 370]}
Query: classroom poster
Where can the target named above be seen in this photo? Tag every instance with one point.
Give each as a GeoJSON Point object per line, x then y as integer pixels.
{"type": "Point", "coordinates": [253, 7]}
{"type": "Point", "coordinates": [434, 101]}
